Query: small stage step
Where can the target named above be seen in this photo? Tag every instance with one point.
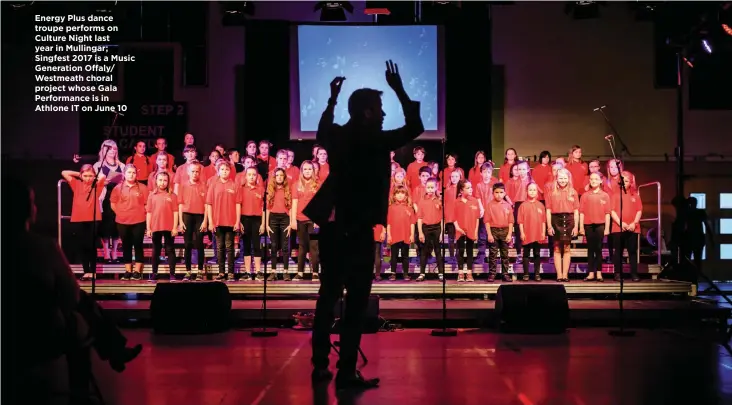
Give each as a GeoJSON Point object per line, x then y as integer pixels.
{"type": "Point", "coordinates": [403, 288]}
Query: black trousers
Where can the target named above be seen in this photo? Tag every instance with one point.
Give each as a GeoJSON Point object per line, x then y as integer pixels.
{"type": "Point", "coordinates": [533, 248]}
{"type": "Point", "coordinates": [87, 247]}
{"type": "Point", "coordinates": [279, 240]}
{"type": "Point", "coordinates": [517, 242]}
{"type": "Point", "coordinates": [193, 238]}
{"type": "Point", "coordinates": [499, 245]}
{"type": "Point", "coordinates": [132, 237]}
{"type": "Point", "coordinates": [225, 248]}
{"type": "Point", "coordinates": [625, 241]}
{"type": "Point", "coordinates": [397, 249]}
{"type": "Point", "coordinates": [465, 252]}
{"type": "Point", "coordinates": [594, 234]}
{"type": "Point", "coordinates": [346, 259]}
{"type": "Point", "coordinates": [308, 242]}
{"type": "Point", "coordinates": [251, 242]}
{"type": "Point", "coordinates": [157, 240]}
{"type": "Point", "coordinates": [450, 230]}
{"type": "Point", "coordinates": [378, 257]}
{"type": "Point", "coordinates": [431, 243]}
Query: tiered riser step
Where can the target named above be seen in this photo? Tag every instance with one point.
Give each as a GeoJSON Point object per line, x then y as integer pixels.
{"type": "Point", "coordinates": [478, 268]}
{"type": "Point", "coordinates": [385, 288]}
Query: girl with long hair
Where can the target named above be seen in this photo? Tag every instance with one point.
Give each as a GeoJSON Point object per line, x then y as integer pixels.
{"type": "Point", "coordinates": [400, 229]}
{"type": "Point", "coordinates": [141, 161]}
{"type": "Point", "coordinates": [467, 217]}
{"type": "Point", "coordinates": [450, 166]}
{"type": "Point", "coordinates": [516, 192]}
{"type": "Point", "coordinates": [307, 230]}
{"type": "Point", "coordinates": [83, 216]}
{"type": "Point", "coordinates": [532, 229]}
{"type": "Point", "coordinates": [625, 228]}
{"type": "Point", "coordinates": [451, 195]}
{"type": "Point", "coordinates": [542, 170]}
{"type": "Point", "coordinates": [110, 166]}
{"type": "Point", "coordinates": [577, 168]}
{"type": "Point", "coordinates": [279, 221]}
{"type": "Point", "coordinates": [128, 201]}
{"type": "Point", "coordinates": [162, 222]}
{"type": "Point", "coordinates": [429, 226]}
{"type": "Point", "coordinates": [252, 220]}
{"type": "Point", "coordinates": [594, 224]}
{"type": "Point", "coordinates": [509, 158]}
{"type": "Point", "coordinates": [562, 218]}
{"type": "Point", "coordinates": [475, 174]}
{"type": "Point", "coordinates": [159, 165]}
{"type": "Point", "coordinates": [323, 163]}
{"type": "Point", "coordinates": [223, 208]}
{"type": "Point", "coordinates": [193, 221]}
{"type": "Point", "coordinates": [613, 168]}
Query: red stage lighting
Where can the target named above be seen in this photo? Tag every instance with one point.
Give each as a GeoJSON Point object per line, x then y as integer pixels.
{"type": "Point", "coordinates": [725, 18]}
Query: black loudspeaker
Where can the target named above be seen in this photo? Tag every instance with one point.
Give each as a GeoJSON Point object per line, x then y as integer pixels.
{"type": "Point", "coordinates": [190, 308]}
{"type": "Point", "coordinates": [372, 322]}
{"type": "Point", "coordinates": [532, 308]}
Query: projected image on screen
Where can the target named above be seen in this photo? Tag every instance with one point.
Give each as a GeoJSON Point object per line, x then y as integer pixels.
{"type": "Point", "coordinates": [359, 53]}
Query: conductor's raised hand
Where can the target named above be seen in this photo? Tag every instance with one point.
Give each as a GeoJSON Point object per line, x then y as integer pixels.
{"type": "Point", "coordinates": [392, 77]}
{"type": "Point", "coordinates": [335, 87]}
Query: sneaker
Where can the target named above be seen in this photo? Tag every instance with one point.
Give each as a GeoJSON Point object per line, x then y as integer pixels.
{"type": "Point", "coordinates": [525, 277]}
{"type": "Point", "coordinates": [507, 278]}
{"type": "Point", "coordinates": [469, 277]}
{"type": "Point", "coordinates": [244, 277]}
{"type": "Point", "coordinates": [316, 277]}
{"type": "Point", "coordinates": [136, 275]}
{"type": "Point", "coordinates": [392, 277]}
{"type": "Point", "coordinates": [286, 276]}
{"type": "Point", "coordinates": [492, 277]}
{"type": "Point", "coordinates": [172, 278]}
{"type": "Point", "coordinates": [272, 277]}
{"type": "Point", "coordinates": [298, 277]}
{"type": "Point", "coordinates": [221, 277]}
{"type": "Point", "coordinates": [461, 277]}
{"type": "Point", "coordinates": [230, 277]}
{"type": "Point", "coordinates": [420, 277]}
{"type": "Point", "coordinates": [187, 276]}
{"type": "Point", "coordinates": [126, 277]}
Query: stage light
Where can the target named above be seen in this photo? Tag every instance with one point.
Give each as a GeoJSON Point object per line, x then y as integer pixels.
{"type": "Point", "coordinates": [377, 8]}
{"type": "Point", "coordinates": [725, 18]}
{"type": "Point", "coordinates": [333, 10]}
{"type": "Point", "coordinates": [706, 45]}
{"type": "Point", "coordinates": [237, 7]}
{"type": "Point", "coordinates": [17, 5]}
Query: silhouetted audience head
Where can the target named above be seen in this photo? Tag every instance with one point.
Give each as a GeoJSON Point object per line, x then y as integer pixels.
{"type": "Point", "coordinates": [20, 210]}
{"type": "Point", "coordinates": [364, 107]}
{"type": "Point", "coordinates": [692, 202]}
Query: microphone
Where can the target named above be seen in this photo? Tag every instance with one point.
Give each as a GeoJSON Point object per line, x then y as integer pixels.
{"type": "Point", "coordinates": [599, 108]}
{"type": "Point", "coordinates": [609, 137]}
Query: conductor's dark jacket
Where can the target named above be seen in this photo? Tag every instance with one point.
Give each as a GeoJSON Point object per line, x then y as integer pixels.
{"type": "Point", "coordinates": [360, 170]}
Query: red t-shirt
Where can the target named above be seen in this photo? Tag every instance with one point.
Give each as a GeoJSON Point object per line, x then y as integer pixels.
{"type": "Point", "coordinates": [303, 195]}
{"type": "Point", "coordinates": [82, 210]}
{"type": "Point", "coordinates": [323, 172]}
{"type": "Point", "coordinates": [223, 198]}
{"type": "Point", "coordinates": [578, 172]}
{"type": "Point", "coordinates": [252, 202]}
{"type": "Point", "coordinates": [541, 174]}
{"type": "Point", "coordinates": [418, 194]}
{"type": "Point", "coordinates": [467, 214]}
{"type": "Point", "coordinates": [152, 176]}
{"type": "Point", "coordinates": [209, 171]}
{"type": "Point", "coordinates": [446, 174]}
{"type": "Point", "coordinates": [498, 214]}
{"type": "Point", "coordinates": [516, 189]}
{"type": "Point", "coordinates": [153, 157]}
{"type": "Point", "coordinates": [142, 164]}
{"type": "Point", "coordinates": [293, 172]}
{"type": "Point", "coordinates": [181, 175]}
{"type": "Point", "coordinates": [278, 203]}
{"type": "Point", "coordinates": [484, 192]}
{"type": "Point", "coordinates": [429, 210]}
{"type": "Point", "coordinates": [474, 176]}
{"type": "Point", "coordinates": [595, 206]}
{"type": "Point", "coordinates": [561, 201]}
{"type": "Point", "coordinates": [192, 197]}
{"type": "Point", "coordinates": [130, 203]}
{"type": "Point", "coordinates": [532, 215]}
{"type": "Point", "coordinates": [162, 207]}
{"type": "Point", "coordinates": [413, 173]}
{"type": "Point", "coordinates": [612, 186]}
{"type": "Point", "coordinates": [504, 173]}
{"type": "Point", "coordinates": [400, 219]}
{"type": "Point", "coordinates": [378, 229]}
{"type": "Point", "coordinates": [631, 206]}
{"type": "Point", "coordinates": [241, 178]}
{"type": "Point", "coordinates": [450, 198]}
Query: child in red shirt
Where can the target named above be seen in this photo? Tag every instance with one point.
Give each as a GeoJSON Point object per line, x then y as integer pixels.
{"type": "Point", "coordinates": [141, 161]}
{"type": "Point", "coordinates": [532, 229]}
{"type": "Point", "coordinates": [612, 184]}
{"type": "Point", "coordinates": [504, 174]}
{"type": "Point", "coordinates": [429, 226]}
{"type": "Point", "coordinates": [594, 224]}
{"type": "Point", "coordinates": [414, 168]}
{"type": "Point", "coordinates": [450, 161]}
{"type": "Point", "coordinates": [516, 191]}
{"type": "Point", "coordinates": [82, 213]}
{"type": "Point", "coordinates": [451, 192]}
{"type": "Point", "coordinates": [181, 174]}
{"type": "Point", "coordinates": [562, 218]}
{"type": "Point", "coordinates": [466, 219]}
{"type": "Point", "coordinates": [625, 228]}
{"type": "Point", "coordinates": [577, 168]}
{"type": "Point", "coordinates": [160, 165]}
{"type": "Point", "coordinates": [483, 191]}
{"type": "Point", "coordinates": [475, 175]}
{"type": "Point", "coordinates": [498, 220]}
{"type": "Point", "coordinates": [594, 167]}
{"type": "Point", "coordinates": [279, 221]}
{"type": "Point", "coordinates": [162, 223]}
{"type": "Point", "coordinates": [541, 173]}
{"type": "Point", "coordinates": [128, 203]}
{"type": "Point", "coordinates": [306, 187]}
{"type": "Point", "coordinates": [400, 229]}
{"type": "Point", "coordinates": [252, 220]}
{"type": "Point", "coordinates": [192, 217]}
{"type": "Point", "coordinates": [223, 207]}
{"type": "Point", "coordinates": [324, 167]}
{"type": "Point", "coordinates": [379, 239]}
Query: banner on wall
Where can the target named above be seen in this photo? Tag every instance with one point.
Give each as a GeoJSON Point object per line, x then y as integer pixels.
{"type": "Point", "coordinates": [137, 121]}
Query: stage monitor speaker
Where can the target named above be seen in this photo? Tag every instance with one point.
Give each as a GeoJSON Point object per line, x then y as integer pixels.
{"type": "Point", "coordinates": [372, 322]}
{"type": "Point", "coordinates": [532, 308]}
{"type": "Point", "coordinates": [191, 308]}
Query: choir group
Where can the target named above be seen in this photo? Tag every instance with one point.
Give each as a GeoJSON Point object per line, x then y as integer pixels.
{"type": "Point", "coordinates": [525, 207]}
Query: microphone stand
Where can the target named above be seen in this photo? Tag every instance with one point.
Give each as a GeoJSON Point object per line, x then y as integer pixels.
{"type": "Point", "coordinates": [623, 147]}
{"type": "Point", "coordinates": [92, 191]}
{"type": "Point", "coordinates": [622, 332]}
{"type": "Point", "coordinates": [263, 331]}
{"type": "Point", "coordinates": [444, 331]}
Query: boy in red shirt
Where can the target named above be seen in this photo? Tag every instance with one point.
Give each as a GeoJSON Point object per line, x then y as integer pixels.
{"type": "Point", "coordinates": [498, 220]}
{"type": "Point", "coordinates": [532, 226]}
{"type": "Point", "coordinates": [484, 193]}
{"type": "Point", "coordinates": [413, 169]}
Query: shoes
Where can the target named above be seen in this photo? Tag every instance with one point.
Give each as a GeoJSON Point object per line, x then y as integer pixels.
{"type": "Point", "coordinates": [320, 375]}
{"type": "Point", "coordinates": [128, 354]}
{"type": "Point", "coordinates": [355, 381]}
